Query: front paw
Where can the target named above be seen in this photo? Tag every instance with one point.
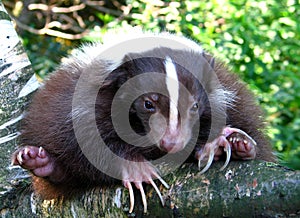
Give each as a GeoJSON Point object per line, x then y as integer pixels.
{"type": "Point", "coordinates": [137, 173]}
{"type": "Point", "coordinates": [234, 142]}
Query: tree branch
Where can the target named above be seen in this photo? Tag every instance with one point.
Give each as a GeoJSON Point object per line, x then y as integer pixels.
{"type": "Point", "coordinates": [56, 9]}
{"type": "Point", "coordinates": [51, 32]}
{"type": "Point", "coordinates": [243, 189]}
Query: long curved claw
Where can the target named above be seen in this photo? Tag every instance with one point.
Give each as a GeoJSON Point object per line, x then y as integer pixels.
{"type": "Point", "coordinates": [161, 180]}
{"type": "Point", "coordinates": [127, 184]}
{"type": "Point", "coordinates": [199, 163]}
{"type": "Point", "coordinates": [227, 149]}
{"type": "Point", "coordinates": [137, 174]}
{"type": "Point", "coordinates": [144, 200]}
{"type": "Point", "coordinates": [209, 162]}
{"type": "Point", "coordinates": [157, 191]}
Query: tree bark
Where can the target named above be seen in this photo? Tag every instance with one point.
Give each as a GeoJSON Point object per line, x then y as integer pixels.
{"type": "Point", "coordinates": [16, 85]}
{"type": "Point", "coordinates": [243, 189]}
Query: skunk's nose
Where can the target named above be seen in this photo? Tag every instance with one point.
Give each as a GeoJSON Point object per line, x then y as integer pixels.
{"type": "Point", "coordinates": [167, 145]}
{"type": "Point", "coordinates": [170, 145]}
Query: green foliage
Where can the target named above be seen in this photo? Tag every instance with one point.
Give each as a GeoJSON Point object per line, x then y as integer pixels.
{"type": "Point", "coordinates": [268, 35]}
{"type": "Point", "coordinates": [258, 39]}
{"type": "Point", "coordinates": [44, 53]}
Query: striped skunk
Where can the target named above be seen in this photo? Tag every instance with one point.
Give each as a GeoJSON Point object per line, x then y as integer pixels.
{"type": "Point", "coordinates": [115, 112]}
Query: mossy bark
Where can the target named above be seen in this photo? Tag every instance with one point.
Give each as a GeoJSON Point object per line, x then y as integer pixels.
{"type": "Point", "coordinates": [243, 189]}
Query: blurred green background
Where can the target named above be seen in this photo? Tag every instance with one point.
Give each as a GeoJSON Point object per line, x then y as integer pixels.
{"type": "Point", "coordinates": [259, 40]}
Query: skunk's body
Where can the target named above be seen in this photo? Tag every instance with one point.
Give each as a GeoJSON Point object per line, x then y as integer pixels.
{"type": "Point", "coordinates": [211, 95]}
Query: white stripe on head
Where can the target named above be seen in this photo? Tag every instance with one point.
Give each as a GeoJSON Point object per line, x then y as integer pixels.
{"type": "Point", "coordinates": [173, 89]}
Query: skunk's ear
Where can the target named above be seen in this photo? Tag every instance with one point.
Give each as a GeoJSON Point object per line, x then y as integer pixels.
{"type": "Point", "coordinates": [116, 78]}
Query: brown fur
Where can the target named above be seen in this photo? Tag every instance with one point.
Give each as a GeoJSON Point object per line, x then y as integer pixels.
{"type": "Point", "coordinates": [245, 114]}
{"type": "Point", "coordinates": [48, 124]}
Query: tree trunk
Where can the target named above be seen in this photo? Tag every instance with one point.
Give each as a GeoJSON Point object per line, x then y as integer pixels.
{"type": "Point", "coordinates": [15, 71]}
{"type": "Point", "coordinates": [243, 189]}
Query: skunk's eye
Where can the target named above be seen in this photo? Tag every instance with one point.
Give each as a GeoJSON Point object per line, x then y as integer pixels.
{"type": "Point", "coordinates": [149, 106]}
{"type": "Point", "coordinates": [195, 107]}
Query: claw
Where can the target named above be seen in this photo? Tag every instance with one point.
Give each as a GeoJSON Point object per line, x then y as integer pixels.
{"type": "Point", "coordinates": [137, 175]}
{"type": "Point", "coordinates": [20, 158]}
{"type": "Point", "coordinates": [41, 152]}
{"type": "Point", "coordinates": [245, 134]}
{"type": "Point", "coordinates": [127, 184]}
{"type": "Point", "coordinates": [227, 149]}
{"type": "Point", "coordinates": [140, 187]}
{"type": "Point", "coordinates": [26, 151]}
{"type": "Point", "coordinates": [161, 180]}
{"type": "Point", "coordinates": [157, 191]}
{"type": "Point", "coordinates": [199, 163]}
{"type": "Point", "coordinates": [209, 162]}
{"type": "Point", "coordinates": [225, 140]}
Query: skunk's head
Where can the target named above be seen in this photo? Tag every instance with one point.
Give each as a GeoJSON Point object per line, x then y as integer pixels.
{"type": "Point", "coordinates": [172, 93]}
